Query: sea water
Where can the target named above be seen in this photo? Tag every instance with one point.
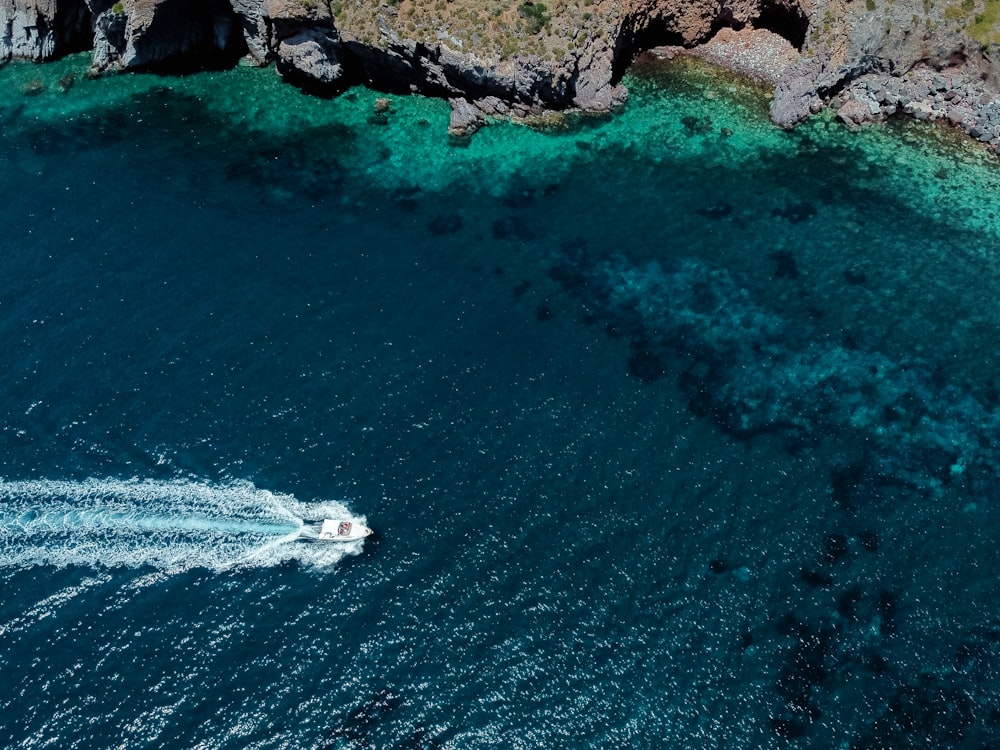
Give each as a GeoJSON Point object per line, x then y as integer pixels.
{"type": "Point", "coordinates": [676, 430]}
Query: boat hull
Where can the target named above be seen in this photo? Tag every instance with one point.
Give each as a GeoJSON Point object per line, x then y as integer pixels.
{"type": "Point", "coordinates": [339, 530]}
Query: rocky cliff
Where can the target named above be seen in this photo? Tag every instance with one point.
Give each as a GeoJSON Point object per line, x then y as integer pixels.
{"type": "Point", "coordinates": [42, 29]}
{"type": "Point", "coordinates": [499, 57]}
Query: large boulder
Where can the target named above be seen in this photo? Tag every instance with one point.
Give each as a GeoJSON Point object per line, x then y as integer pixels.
{"type": "Point", "coordinates": [465, 119]}
{"type": "Point", "coordinates": [310, 55]}
{"type": "Point", "coordinates": [300, 37]}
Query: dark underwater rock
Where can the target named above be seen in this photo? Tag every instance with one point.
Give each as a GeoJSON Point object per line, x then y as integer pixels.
{"type": "Point", "coordinates": [574, 272]}
{"type": "Point", "coordinates": [445, 224]}
{"type": "Point", "coordinates": [803, 673]}
{"type": "Point", "coordinates": [34, 87]}
{"type": "Point", "coordinates": [847, 603]}
{"type": "Point", "coordinates": [718, 566]}
{"type": "Point", "coordinates": [874, 662]}
{"type": "Point", "coordinates": [795, 212]}
{"type": "Point", "coordinates": [844, 482]}
{"type": "Point", "coordinates": [868, 540]}
{"type": "Point", "coordinates": [519, 198]}
{"type": "Point", "coordinates": [930, 713]}
{"type": "Point", "coordinates": [718, 210]}
{"type": "Point", "coordinates": [405, 198]}
{"type": "Point", "coordinates": [784, 265]}
{"type": "Point", "coordinates": [816, 578]}
{"type": "Point", "coordinates": [757, 375]}
{"type": "Point", "coordinates": [519, 290]}
{"type": "Point", "coordinates": [644, 364]}
{"type": "Point", "coordinates": [978, 656]}
{"type": "Point", "coordinates": [512, 228]}
{"type": "Point", "coordinates": [697, 125]}
{"type": "Point", "coordinates": [356, 727]}
{"type": "Point", "coordinates": [855, 278]}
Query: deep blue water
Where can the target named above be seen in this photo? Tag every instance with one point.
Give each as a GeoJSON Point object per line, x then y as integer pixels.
{"type": "Point", "coordinates": [675, 430]}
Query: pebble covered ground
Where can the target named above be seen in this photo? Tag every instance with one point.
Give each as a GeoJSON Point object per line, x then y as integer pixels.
{"type": "Point", "coordinates": [755, 53]}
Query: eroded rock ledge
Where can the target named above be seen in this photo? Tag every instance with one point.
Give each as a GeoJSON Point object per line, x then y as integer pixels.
{"type": "Point", "coordinates": [523, 58]}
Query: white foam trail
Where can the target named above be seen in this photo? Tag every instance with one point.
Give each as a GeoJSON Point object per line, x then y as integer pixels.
{"type": "Point", "coordinates": [168, 525]}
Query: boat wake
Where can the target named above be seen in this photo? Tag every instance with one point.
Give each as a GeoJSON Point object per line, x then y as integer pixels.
{"type": "Point", "coordinates": [169, 525]}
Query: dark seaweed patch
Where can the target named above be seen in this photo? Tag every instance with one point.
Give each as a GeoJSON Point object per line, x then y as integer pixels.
{"type": "Point", "coordinates": [697, 125]}
{"type": "Point", "coordinates": [644, 364]}
{"type": "Point", "coordinates": [855, 278]}
{"type": "Point", "coordinates": [718, 210]}
{"type": "Point", "coordinates": [795, 212]}
{"type": "Point", "coordinates": [816, 578]}
{"type": "Point", "coordinates": [784, 265]}
{"type": "Point", "coordinates": [512, 228]}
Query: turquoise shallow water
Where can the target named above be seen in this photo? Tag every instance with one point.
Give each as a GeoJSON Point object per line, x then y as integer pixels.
{"type": "Point", "coordinates": [676, 430]}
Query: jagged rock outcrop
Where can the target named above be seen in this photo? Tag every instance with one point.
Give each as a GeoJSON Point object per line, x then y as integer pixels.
{"type": "Point", "coordinates": [592, 77]}
{"type": "Point", "coordinates": [465, 119]}
{"type": "Point", "coordinates": [41, 29]}
{"type": "Point", "coordinates": [302, 41]}
{"type": "Point", "coordinates": [133, 34]}
{"type": "Point", "coordinates": [255, 28]}
{"type": "Point", "coordinates": [801, 87]}
{"type": "Point", "coordinates": [310, 50]}
{"type": "Point", "coordinates": [884, 38]}
{"type": "Point", "coordinates": [311, 53]}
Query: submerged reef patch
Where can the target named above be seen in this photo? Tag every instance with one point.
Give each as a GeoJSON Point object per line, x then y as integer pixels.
{"type": "Point", "coordinates": [752, 371]}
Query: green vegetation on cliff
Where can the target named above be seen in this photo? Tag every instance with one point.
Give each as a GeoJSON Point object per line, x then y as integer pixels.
{"type": "Point", "coordinates": [490, 29]}
{"type": "Point", "coordinates": [986, 29]}
{"type": "Point", "coordinates": [982, 22]}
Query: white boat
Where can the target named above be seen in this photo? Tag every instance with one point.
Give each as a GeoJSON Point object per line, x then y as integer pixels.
{"type": "Point", "coordinates": [339, 530]}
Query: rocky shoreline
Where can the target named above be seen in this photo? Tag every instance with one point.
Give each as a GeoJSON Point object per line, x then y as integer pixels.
{"type": "Point", "coordinates": [956, 95]}
{"type": "Point", "coordinates": [950, 96]}
{"type": "Point", "coordinates": [867, 63]}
